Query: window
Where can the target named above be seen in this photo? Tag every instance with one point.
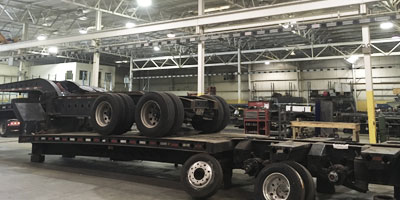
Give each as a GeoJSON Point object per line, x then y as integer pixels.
{"type": "Point", "coordinates": [83, 75]}
{"type": "Point", "coordinates": [69, 75]}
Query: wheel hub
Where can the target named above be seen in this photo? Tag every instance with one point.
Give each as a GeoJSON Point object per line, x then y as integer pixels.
{"type": "Point", "coordinates": [200, 174]}
{"type": "Point", "coordinates": [103, 114]}
{"type": "Point", "coordinates": [150, 114]}
{"type": "Point", "coordinates": [276, 187]}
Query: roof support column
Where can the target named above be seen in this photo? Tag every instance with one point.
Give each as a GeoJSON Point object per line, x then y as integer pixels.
{"type": "Point", "coordinates": [250, 82]}
{"type": "Point", "coordinates": [369, 84]}
{"type": "Point", "coordinates": [22, 64]}
{"type": "Point", "coordinates": [131, 74]}
{"type": "Point", "coordinates": [201, 53]}
{"type": "Point", "coordinates": [239, 76]}
{"type": "Point", "coordinates": [96, 55]}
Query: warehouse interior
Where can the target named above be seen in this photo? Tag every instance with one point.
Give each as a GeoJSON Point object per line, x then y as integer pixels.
{"type": "Point", "coordinates": [299, 51]}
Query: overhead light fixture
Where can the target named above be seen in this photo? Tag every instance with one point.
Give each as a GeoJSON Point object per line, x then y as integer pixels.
{"type": "Point", "coordinates": [53, 50]}
{"type": "Point", "coordinates": [267, 63]}
{"type": "Point", "coordinates": [395, 37]}
{"type": "Point", "coordinates": [171, 35]}
{"type": "Point", "coordinates": [41, 37]}
{"type": "Point", "coordinates": [121, 61]}
{"type": "Point", "coordinates": [83, 18]}
{"type": "Point", "coordinates": [83, 31]}
{"type": "Point", "coordinates": [130, 25]}
{"type": "Point", "coordinates": [221, 8]}
{"type": "Point", "coordinates": [386, 25]}
{"type": "Point", "coordinates": [293, 53]}
{"type": "Point", "coordinates": [156, 48]}
{"type": "Point", "coordinates": [353, 59]}
{"type": "Point", "coordinates": [144, 3]}
{"type": "Point", "coordinates": [46, 24]}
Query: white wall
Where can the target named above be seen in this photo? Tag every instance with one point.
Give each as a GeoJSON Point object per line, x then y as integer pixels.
{"type": "Point", "coordinates": [8, 73]}
{"type": "Point", "coordinates": [103, 69]}
{"type": "Point", "coordinates": [53, 71]}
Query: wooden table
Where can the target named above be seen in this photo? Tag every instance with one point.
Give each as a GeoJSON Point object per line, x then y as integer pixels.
{"type": "Point", "coordinates": [297, 125]}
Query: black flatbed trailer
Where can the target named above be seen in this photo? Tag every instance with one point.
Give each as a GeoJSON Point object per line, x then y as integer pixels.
{"type": "Point", "coordinates": [331, 161]}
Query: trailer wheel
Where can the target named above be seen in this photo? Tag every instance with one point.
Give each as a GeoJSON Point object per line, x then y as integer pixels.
{"type": "Point", "coordinates": [105, 114]}
{"type": "Point", "coordinates": [227, 113]}
{"type": "Point", "coordinates": [3, 130]}
{"type": "Point", "coordinates": [210, 126]}
{"type": "Point", "coordinates": [155, 114]}
{"type": "Point", "coordinates": [307, 179]}
{"type": "Point", "coordinates": [201, 176]}
{"type": "Point", "coordinates": [129, 112]}
{"type": "Point", "coordinates": [279, 181]}
{"type": "Point", "coordinates": [179, 113]}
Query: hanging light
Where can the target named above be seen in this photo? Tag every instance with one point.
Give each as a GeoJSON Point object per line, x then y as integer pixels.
{"type": "Point", "coordinates": [267, 63]}
{"type": "Point", "coordinates": [53, 50]}
{"type": "Point", "coordinates": [386, 25]}
{"type": "Point", "coordinates": [130, 25]}
{"type": "Point", "coordinates": [353, 59]}
{"type": "Point", "coordinates": [144, 3]}
{"type": "Point", "coordinates": [156, 48]}
{"type": "Point", "coordinates": [83, 31]}
{"type": "Point", "coordinates": [41, 37]}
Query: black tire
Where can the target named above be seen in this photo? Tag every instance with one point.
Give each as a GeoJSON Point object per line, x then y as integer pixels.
{"type": "Point", "coordinates": [307, 179]}
{"type": "Point", "coordinates": [102, 126]}
{"type": "Point", "coordinates": [179, 113]}
{"type": "Point", "coordinates": [129, 112]}
{"type": "Point", "coordinates": [3, 129]}
{"type": "Point", "coordinates": [194, 173]}
{"type": "Point", "coordinates": [227, 113]}
{"type": "Point", "coordinates": [210, 126]}
{"type": "Point", "coordinates": [383, 197]}
{"type": "Point", "coordinates": [37, 158]}
{"type": "Point", "coordinates": [163, 114]}
{"type": "Point", "coordinates": [280, 170]}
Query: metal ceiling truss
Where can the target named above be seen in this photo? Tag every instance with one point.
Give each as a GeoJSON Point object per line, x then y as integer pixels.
{"type": "Point", "coordinates": [260, 72]}
{"type": "Point", "coordinates": [382, 47]}
{"type": "Point", "coordinates": [218, 18]}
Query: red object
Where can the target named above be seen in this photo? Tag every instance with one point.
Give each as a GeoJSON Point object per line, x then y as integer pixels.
{"type": "Point", "coordinates": [14, 123]}
{"type": "Point", "coordinates": [258, 104]}
{"type": "Point", "coordinates": [256, 121]}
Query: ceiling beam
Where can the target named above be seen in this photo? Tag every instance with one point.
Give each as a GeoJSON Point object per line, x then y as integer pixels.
{"type": "Point", "coordinates": [217, 18]}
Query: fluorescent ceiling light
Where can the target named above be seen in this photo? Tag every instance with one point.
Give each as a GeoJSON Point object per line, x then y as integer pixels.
{"type": "Point", "coordinates": [130, 25]}
{"type": "Point", "coordinates": [83, 31]}
{"type": "Point", "coordinates": [121, 61]}
{"type": "Point", "coordinates": [267, 63]}
{"type": "Point", "coordinates": [41, 37]}
{"type": "Point", "coordinates": [396, 37]}
{"type": "Point", "coordinates": [221, 8]}
{"type": "Point", "coordinates": [53, 50]}
{"type": "Point", "coordinates": [144, 3]}
{"type": "Point", "coordinates": [386, 25]}
{"type": "Point", "coordinates": [46, 24]}
{"type": "Point", "coordinates": [83, 18]}
{"type": "Point", "coordinates": [171, 35]}
{"type": "Point", "coordinates": [156, 48]}
{"type": "Point", "coordinates": [353, 59]}
{"type": "Point", "coordinates": [293, 53]}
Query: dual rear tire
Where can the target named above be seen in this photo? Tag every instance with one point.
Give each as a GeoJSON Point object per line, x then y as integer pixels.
{"type": "Point", "coordinates": [219, 120]}
{"type": "Point", "coordinates": [287, 180]}
{"type": "Point", "coordinates": [112, 114]}
{"type": "Point", "coordinates": [159, 114]}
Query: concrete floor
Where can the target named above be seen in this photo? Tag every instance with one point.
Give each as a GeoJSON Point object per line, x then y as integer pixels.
{"type": "Point", "coordinates": [98, 178]}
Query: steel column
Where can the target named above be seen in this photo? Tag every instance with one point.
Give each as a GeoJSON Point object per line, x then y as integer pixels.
{"type": "Point", "coordinates": [250, 83]}
{"type": "Point", "coordinates": [369, 84]}
{"type": "Point", "coordinates": [131, 74]}
{"type": "Point", "coordinates": [354, 75]}
{"type": "Point", "coordinates": [22, 64]}
{"type": "Point", "coordinates": [96, 56]}
{"type": "Point", "coordinates": [201, 53]}
{"type": "Point", "coordinates": [239, 76]}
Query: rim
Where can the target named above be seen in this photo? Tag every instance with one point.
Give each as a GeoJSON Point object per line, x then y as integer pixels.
{"type": "Point", "coordinates": [150, 114]}
{"type": "Point", "coordinates": [104, 114]}
{"type": "Point", "coordinates": [200, 174]}
{"type": "Point", "coordinates": [276, 187]}
{"type": "Point", "coordinates": [2, 128]}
